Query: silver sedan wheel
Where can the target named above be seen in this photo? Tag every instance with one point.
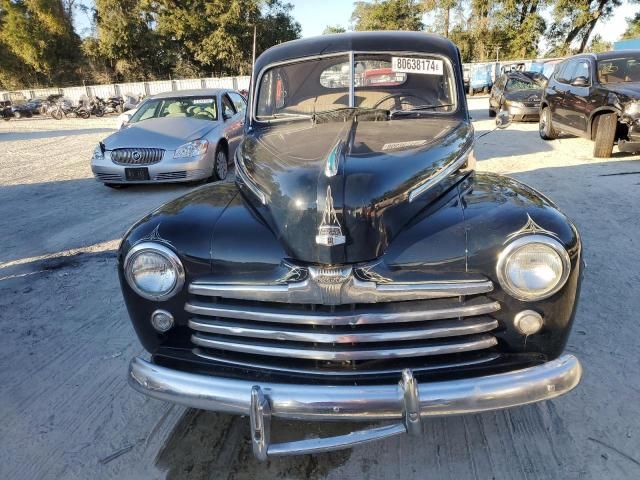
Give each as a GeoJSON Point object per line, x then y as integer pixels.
{"type": "Point", "coordinates": [220, 166]}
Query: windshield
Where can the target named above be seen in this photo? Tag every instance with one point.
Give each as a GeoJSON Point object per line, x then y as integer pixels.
{"type": "Point", "coordinates": [624, 69]}
{"type": "Point", "coordinates": [407, 83]}
{"type": "Point", "coordinates": [203, 108]}
{"type": "Point", "coordinates": [523, 83]}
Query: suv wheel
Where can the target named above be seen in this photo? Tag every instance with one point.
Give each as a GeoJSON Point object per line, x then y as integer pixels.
{"type": "Point", "coordinates": [545, 125]}
{"type": "Point", "coordinates": [492, 112]}
{"type": "Point", "coordinates": [605, 135]}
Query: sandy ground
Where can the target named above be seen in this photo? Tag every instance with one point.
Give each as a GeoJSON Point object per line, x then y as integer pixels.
{"type": "Point", "coordinates": [66, 411]}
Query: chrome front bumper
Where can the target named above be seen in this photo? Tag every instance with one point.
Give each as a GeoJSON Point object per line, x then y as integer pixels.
{"type": "Point", "coordinates": [406, 401]}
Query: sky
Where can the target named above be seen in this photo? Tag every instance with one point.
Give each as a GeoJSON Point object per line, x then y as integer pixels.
{"type": "Point", "coordinates": [315, 15]}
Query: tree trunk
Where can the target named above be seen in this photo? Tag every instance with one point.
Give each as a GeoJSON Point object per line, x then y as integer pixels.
{"type": "Point", "coordinates": [446, 21]}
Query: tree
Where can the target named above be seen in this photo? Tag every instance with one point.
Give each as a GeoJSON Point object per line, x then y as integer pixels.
{"type": "Point", "coordinates": [574, 21]}
{"type": "Point", "coordinates": [387, 15]}
{"type": "Point", "coordinates": [443, 10]}
{"type": "Point", "coordinates": [37, 42]}
{"type": "Point", "coordinates": [521, 26]}
{"type": "Point", "coordinates": [333, 29]}
{"type": "Point", "coordinates": [598, 45]}
{"type": "Point", "coordinates": [126, 43]}
{"type": "Point", "coordinates": [633, 27]}
{"type": "Point", "coordinates": [216, 36]}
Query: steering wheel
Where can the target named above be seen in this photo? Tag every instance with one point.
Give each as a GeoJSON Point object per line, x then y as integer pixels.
{"type": "Point", "coordinates": [205, 115]}
{"type": "Point", "coordinates": [400, 96]}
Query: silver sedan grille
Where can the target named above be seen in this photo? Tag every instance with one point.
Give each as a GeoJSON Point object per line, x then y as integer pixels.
{"type": "Point", "coordinates": [136, 156]}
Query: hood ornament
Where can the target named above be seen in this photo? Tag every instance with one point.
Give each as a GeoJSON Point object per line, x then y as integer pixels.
{"type": "Point", "coordinates": [329, 231]}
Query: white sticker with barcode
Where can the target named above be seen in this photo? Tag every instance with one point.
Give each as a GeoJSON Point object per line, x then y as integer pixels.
{"type": "Point", "coordinates": [424, 66]}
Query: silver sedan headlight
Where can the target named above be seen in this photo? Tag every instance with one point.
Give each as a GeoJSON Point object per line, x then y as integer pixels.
{"type": "Point", "coordinates": [533, 267]}
{"type": "Point", "coordinates": [153, 271]}
{"type": "Point", "coordinates": [97, 155]}
{"type": "Point", "coordinates": [191, 149]}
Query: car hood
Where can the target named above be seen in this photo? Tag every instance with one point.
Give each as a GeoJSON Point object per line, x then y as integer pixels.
{"type": "Point", "coordinates": [353, 176]}
{"type": "Point", "coordinates": [631, 90]}
{"type": "Point", "coordinates": [166, 133]}
{"type": "Point", "coordinates": [527, 95]}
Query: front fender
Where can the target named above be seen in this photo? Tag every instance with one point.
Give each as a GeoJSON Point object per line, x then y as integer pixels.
{"type": "Point", "coordinates": [496, 207]}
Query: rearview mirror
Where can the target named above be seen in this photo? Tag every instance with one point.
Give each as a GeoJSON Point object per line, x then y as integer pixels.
{"type": "Point", "coordinates": [503, 119]}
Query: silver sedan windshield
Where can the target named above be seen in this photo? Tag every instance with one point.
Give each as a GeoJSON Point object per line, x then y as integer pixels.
{"type": "Point", "coordinates": [204, 108]}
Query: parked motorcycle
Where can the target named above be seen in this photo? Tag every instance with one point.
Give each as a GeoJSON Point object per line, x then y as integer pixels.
{"type": "Point", "coordinates": [114, 105]}
{"type": "Point", "coordinates": [5, 111]}
{"type": "Point", "coordinates": [96, 106]}
{"type": "Point", "coordinates": [63, 109]}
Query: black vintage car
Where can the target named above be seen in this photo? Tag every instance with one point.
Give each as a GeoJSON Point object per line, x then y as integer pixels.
{"type": "Point", "coordinates": [358, 268]}
{"type": "Point", "coordinates": [519, 93]}
{"type": "Point", "coordinates": [596, 96]}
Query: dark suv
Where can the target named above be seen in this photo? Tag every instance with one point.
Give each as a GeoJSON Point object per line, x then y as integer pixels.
{"type": "Point", "coordinates": [596, 96]}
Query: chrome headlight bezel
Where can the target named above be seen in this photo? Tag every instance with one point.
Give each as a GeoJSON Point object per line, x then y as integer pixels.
{"type": "Point", "coordinates": [516, 245]}
{"type": "Point", "coordinates": [168, 255]}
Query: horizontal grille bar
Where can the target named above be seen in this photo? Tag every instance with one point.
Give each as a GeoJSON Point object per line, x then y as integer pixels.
{"type": "Point", "coordinates": [294, 367]}
{"type": "Point", "coordinates": [345, 354]}
{"type": "Point", "coordinates": [444, 329]}
{"type": "Point", "coordinates": [356, 291]}
{"type": "Point", "coordinates": [267, 314]}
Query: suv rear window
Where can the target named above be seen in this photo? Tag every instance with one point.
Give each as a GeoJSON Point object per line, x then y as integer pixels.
{"type": "Point", "coordinates": [623, 69]}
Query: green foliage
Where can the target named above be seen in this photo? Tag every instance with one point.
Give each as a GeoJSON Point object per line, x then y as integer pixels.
{"type": "Point", "coordinates": [333, 29]}
{"type": "Point", "coordinates": [37, 42]}
{"type": "Point", "coordinates": [598, 45]}
{"type": "Point", "coordinates": [387, 15]}
{"type": "Point", "coordinates": [633, 27]}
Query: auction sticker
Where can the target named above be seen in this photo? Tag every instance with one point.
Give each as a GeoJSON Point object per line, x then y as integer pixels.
{"type": "Point", "coordinates": [424, 66]}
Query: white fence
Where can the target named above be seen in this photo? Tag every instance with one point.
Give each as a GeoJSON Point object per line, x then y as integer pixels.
{"type": "Point", "coordinates": [134, 88]}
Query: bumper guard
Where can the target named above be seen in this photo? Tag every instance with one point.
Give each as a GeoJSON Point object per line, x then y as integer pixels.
{"type": "Point", "coordinates": [406, 401]}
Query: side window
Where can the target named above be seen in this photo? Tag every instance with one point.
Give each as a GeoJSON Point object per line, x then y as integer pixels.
{"type": "Point", "coordinates": [565, 72]}
{"type": "Point", "coordinates": [238, 102]}
{"type": "Point", "coordinates": [581, 70]}
{"type": "Point", "coordinates": [227, 107]}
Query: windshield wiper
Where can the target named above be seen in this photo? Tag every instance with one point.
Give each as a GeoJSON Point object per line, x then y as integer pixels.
{"type": "Point", "coordinates": [418, 108]}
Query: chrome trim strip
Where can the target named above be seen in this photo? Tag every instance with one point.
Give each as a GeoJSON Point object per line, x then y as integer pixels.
{"type": "Point", "coordinates": [246, 178]}
{"type": "Point", "coordinates": [436, 177]}
{"type": "Point", "coordinates": [399, 351]}
{"type": "Point", "coordinates": [365, 318]}
{"type": "Point", "coordinates": [352, 290]}
{"type": "Point", "coordinates": [339, 442]}
{"type": "Point", "coordinates": [358, 402]}
{"type": "Point", "coordinates": [450, 329]}
{"type": "Point", "coordinates": [488, 357]}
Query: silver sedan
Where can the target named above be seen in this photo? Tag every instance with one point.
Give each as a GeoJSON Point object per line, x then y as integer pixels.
{"type": "Point", "coordinates": [173, 137]}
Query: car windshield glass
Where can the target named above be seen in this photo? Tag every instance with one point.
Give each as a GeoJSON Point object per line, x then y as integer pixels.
{"type": "Point", "coordinates": [412, 83]}
{"type": "Point", "coordinates": [623, 69]}
{"type": "Point", "coordinates": [203, 108]}
{"type": "Point", "coordinates": [521, 83]}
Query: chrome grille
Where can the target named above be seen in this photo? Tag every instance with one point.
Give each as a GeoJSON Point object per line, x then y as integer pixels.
{"type": "Point", "coordinates": [362, 339]}
{"type": "Point", "coordinates": [136, 156]}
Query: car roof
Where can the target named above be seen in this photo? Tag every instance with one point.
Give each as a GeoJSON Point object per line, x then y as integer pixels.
{"type": "Point", "coordinates": [197, 92]}
{"type": "Point", "coordinates": [606, 55]}
{"type": "Point", "coordinates": [390, 41]}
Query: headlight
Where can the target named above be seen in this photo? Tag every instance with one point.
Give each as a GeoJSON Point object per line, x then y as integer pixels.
{"type": "Point", "coordinates": [153, 271]}
{"type": "Point", "coordinates": [97, 155]}
{"type": "Point", "coordinates": [191, 149]}
{"type": "Point", "coordinates": [533, 267]}
{"type": "Point", "coordinates": [512, 103]}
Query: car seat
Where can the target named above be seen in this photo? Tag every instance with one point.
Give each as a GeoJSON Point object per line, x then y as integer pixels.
{"type": "Point", "coordinates": [175, 110]}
